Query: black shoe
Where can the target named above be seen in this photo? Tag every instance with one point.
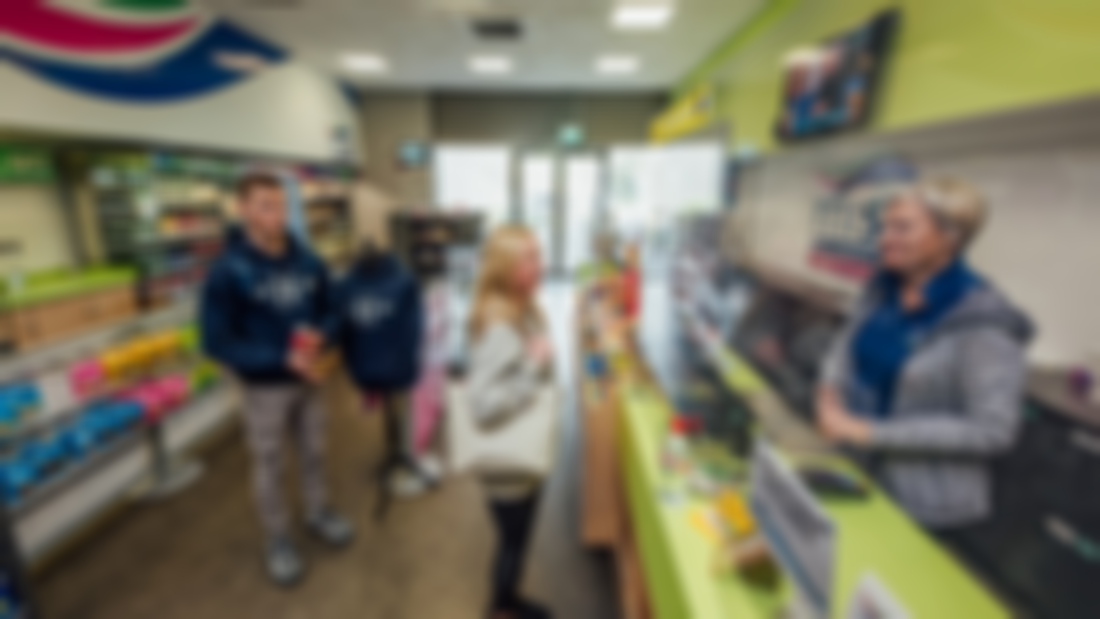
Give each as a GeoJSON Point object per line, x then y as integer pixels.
{"type": "Point", "coordinates": [285, 566]}
{"type": "Point", "coordinates": [331, 528]}
{"type": "Point", "coordinates": [524, 609]}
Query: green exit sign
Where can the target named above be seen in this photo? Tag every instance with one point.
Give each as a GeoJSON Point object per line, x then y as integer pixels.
{"type": "Point", "coordinates": [25, 165]}
{"type": "Point", "coordinates": [571, 135]}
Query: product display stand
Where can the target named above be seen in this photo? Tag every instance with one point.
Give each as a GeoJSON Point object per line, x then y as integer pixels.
{"type": "Point", "coordinates": [168, 476]}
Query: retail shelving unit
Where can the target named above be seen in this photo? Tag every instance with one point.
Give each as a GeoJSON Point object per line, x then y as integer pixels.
{"type": "Point", "coordinates": [164, 215]}
{"type": "Point", "coordinates": [423, 238]}
{"type": "Point", "coordinates": [78, 489]}
{"type": "Point", "coordinates": [329, 217]}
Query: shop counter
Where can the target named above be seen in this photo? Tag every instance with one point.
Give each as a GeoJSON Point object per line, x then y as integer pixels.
{"type": "Point", "coordinates": [679, 557]}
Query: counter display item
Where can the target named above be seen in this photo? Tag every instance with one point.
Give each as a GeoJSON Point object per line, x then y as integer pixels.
{"type": "Point", "coordinates": [798, 531]}
{"type": "Point", "coordinates": [873, 600]}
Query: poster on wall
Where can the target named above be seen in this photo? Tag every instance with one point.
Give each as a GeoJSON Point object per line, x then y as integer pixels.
{"type": "Point", "coordinates": [847, 215]}
{"type": "Point", "coordinates": [831, 87]}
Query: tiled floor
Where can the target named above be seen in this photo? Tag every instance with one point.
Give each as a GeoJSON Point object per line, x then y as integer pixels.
{"type": "Point", "coordinates": [197, 555]}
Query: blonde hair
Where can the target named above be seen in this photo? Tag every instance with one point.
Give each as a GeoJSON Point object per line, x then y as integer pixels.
{"type": "Point", "coordinates": [956, 205]}
{"type": "Point", "coordinates": [495, 295]}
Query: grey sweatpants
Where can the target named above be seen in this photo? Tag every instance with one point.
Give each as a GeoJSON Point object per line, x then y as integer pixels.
{"type": "Point", "coordinates": [273, 414]}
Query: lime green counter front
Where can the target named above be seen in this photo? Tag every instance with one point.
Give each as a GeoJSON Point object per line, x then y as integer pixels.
{"type": "Point", "coordinates": [678, 557]}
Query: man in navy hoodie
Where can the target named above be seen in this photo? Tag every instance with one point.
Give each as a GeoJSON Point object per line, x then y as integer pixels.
{"type": "Point", "coordinates": [265, 316]}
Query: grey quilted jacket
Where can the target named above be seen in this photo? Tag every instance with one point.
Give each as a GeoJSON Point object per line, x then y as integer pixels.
{"type": "Point", "coordinates": [957, 404]}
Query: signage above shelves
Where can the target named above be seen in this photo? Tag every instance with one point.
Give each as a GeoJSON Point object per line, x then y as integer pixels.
{"type": "Point", "coordinates": [25, 165]}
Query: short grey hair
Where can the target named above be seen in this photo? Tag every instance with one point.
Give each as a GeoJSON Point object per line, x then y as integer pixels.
{"type": "Point", "coordinates": [956, 205]}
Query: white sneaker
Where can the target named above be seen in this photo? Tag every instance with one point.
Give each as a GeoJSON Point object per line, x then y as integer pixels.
{"type": "Point", "coordinates": [406, 484]}
{"type": "Point", "coordinates": [432, 467]}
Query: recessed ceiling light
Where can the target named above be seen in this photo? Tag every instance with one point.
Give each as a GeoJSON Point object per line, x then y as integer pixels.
{"type": "Point", "coordinates": [618, 65]}
{"type": "Point", "coordinates": [491, 65]}
{"type": "Point", "coordinates": [365, 63]}
{"type": "Point", "coordinates": [650, 16]}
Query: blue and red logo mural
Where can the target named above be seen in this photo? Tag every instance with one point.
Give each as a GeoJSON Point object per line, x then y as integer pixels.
{"type": "Point", "coordinates": [133, 50]}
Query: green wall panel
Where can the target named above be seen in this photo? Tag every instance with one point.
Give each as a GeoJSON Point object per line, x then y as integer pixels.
{"type": "Point", "coordinates": [954, 58]}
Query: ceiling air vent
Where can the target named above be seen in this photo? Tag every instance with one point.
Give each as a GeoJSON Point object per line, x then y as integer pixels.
{"type": "Point", "coordinates": [498, 29]}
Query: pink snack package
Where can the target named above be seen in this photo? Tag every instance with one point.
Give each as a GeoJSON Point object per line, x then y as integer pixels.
{"type": "Point", "coordinates": [174, 390]}
{"type": "Point", "coordinates": [149, 400]}
{"type": "Point", "coordinates": [87, 377]}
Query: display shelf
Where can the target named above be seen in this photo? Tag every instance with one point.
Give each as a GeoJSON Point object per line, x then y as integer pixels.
{"type": "Point", "coordinates": [53, 288]}
{"type": "Point", "coordinates": [38, 424]}
{"type": "Point", "coordinates": [27, 365]}
{"type": "Point", "coordinates": [678, 560]}
{"type": "Point", "coordinates": [331, 227]}
{"type": "Point", "coordinates": [422, 239]}
{"type": "Point", "coordinates": [68, 476]}
{"type": "Point", "coordinates": [183, 267]}
{"type": "Point", "coordinates": [774, 418]}
{"type": "Point", "coordinates": [210, 412]}
{"type": "Point", "coordinates": [737, 374]}
{"type": "Point", "coordinates": [198, 206]}
{"type": "Point", "coordinates": [126, 214]}
{"type": "Point", "coordinates": [56, 512]}
{"type": "Point", "coordinates": [214, 234]}
{"type": "Point", "coordinates": [141, 225]}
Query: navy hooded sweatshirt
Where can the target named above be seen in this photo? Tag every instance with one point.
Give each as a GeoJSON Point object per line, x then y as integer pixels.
{"type": "Point", "coordinates": [380, 324]}
{"type": "Point", "coordinates": [253, 302]}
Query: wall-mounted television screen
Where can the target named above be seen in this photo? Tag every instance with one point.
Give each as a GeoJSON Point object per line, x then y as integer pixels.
{"type": "Point", "coordinates": [831, 87]}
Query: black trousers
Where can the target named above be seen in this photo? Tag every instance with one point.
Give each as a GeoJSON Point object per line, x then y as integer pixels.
{"type": "Point", "coordinates": [515, 522]}
{"type": "Point", "coordinates": [965, 543]}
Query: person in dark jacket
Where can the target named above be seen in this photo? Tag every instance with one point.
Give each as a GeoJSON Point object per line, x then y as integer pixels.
{"type": "Point", "coordinates": [380, 329]}
{"type": "Point", "coordinates": [380, 324]}
{"type": "Point", "coordinates": [928, 377]}
{"type": "Point", "coordinates": [265, 316]}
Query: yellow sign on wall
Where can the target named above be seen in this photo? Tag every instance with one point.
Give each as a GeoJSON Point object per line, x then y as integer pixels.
{"type": "Point", "coordinates": [697, 110]}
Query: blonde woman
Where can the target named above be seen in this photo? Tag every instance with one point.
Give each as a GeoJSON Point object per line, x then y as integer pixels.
{"type": "Point", "coordinates": [928, 378]}
{"type": "Point", "coordinates": [511, 360]}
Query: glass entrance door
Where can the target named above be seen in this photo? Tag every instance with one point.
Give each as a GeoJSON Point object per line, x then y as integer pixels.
{"type": "Point", "coordinates": [539, 202]}
{"type": "Point", "coordinates": [474, 177]}
{"type": "Point", "coordinates": [562, 200]}
{"type": "Point", "coordinates": [584, 195]}
{"type": "Point", "coordinates": [561, 197]}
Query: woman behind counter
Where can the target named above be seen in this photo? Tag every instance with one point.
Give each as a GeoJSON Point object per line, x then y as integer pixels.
{"type": "Point", "coordinates": [928, 377]}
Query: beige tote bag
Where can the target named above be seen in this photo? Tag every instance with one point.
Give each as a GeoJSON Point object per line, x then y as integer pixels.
{"type": "Point", "coordinates": [524, 444]}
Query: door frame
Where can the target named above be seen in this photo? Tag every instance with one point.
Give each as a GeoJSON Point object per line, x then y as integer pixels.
{"type": "Point", "coordinates": [556, 254]}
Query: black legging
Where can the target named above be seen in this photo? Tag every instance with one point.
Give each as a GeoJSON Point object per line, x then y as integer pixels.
{"type": "Point", "coordinates": [514, 521]}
